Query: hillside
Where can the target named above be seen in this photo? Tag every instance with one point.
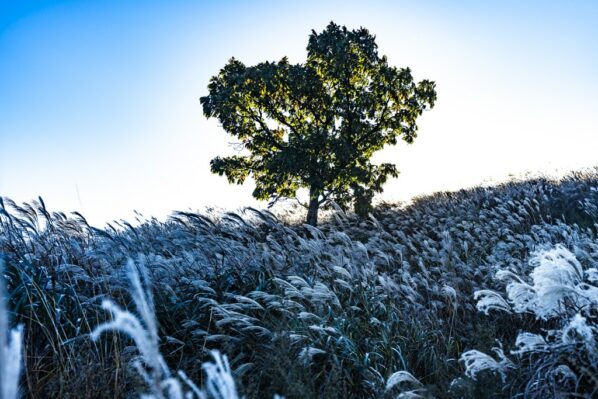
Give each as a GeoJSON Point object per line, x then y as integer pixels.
{"type": "Point", "coordinates": [336, 311]}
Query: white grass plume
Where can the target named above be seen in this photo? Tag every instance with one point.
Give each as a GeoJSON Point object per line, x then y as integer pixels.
{"type": "Point", "coordinates": [528, 343]}
{"type": "Point", "coordinates": [579, 331]}
{"type": "Point", "coordinates": [488, 300]}
{"type": "Point", "coordinates": [10, 349]}
{"type": "Point", "coordinates": [556, 274]}
{"type": "Point", "coordinates": [144, 332]}
{"type": "Point", "coordinates": [220, 383]}
{"type": "Point", "coordinates": [307, 354]}
{"type": "Point", "coordinates": [405, 379]}
{"type": "Point", "coordinates": [476, 361]}
{"type": "Point", "coordinates": [559, 290]}
{"type": "Point", "coordinates": [557, 277]}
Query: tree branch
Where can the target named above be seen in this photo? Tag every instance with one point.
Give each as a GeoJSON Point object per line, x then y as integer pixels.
{"type": "Point", "coordinates": [259, 120]}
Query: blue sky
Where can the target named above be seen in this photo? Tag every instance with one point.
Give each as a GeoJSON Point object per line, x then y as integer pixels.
{"type": "Point", "coordinates": [100, 113]}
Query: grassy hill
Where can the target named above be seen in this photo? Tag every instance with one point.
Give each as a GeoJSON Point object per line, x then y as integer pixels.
{"type": "Point", "coordinates": [337, 311]}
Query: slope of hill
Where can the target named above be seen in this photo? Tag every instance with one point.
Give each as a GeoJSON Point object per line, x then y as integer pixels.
{"type": "Point", "coordinates": [443, 298]}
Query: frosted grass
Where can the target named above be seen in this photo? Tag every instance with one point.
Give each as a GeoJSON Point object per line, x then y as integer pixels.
{"type": "Point", "coordinates": [10, 348]}
{"type": "Point", "coordinates": [562, 291]}
{"type": "Point", "coordinates": [142, 329]}
{"type": "Point", "coordinates": [321, 312]}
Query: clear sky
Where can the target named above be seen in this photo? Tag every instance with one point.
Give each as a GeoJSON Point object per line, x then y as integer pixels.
{"type": "Point", "coordinates": [100, 113]}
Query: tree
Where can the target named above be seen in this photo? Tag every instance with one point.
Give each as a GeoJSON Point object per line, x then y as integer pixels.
{"type": "Point", "coordinates": [316, 125]}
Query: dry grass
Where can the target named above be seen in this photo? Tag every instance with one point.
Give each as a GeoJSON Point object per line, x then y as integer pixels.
{"type": "Point", "coordinates": [355, 308]}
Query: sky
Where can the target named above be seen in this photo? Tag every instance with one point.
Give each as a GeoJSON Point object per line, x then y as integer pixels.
{"type": "Point", "coordinates": [100, 112]}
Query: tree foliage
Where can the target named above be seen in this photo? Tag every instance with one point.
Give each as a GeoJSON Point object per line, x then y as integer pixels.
{"type": "Point", "coordinates": [316, 125]}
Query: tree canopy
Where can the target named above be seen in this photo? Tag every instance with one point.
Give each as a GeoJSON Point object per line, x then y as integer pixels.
{"type": "Point", "coordinates": [316, 125]}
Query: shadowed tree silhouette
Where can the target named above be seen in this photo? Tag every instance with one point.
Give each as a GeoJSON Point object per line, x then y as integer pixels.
{"type": "Point", "coordinates": [316, 125]}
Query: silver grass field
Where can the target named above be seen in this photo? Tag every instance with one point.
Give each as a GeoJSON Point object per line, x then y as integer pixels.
{"type": "Point", "coordinates": [485, 292]}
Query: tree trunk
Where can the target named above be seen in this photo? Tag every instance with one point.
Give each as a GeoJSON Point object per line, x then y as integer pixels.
{"type": "Point", "coordinates": [362, 202]}
{"type": "Point", "coordinates": [314, 204]}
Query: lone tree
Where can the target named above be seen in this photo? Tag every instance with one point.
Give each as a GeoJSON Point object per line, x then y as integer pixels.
{"type": "Point", "coordinates": [316, 125]}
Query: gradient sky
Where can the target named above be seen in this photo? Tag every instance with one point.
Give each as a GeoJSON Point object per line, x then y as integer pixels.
{"type": "Point", "coordinates": [100, 113]}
